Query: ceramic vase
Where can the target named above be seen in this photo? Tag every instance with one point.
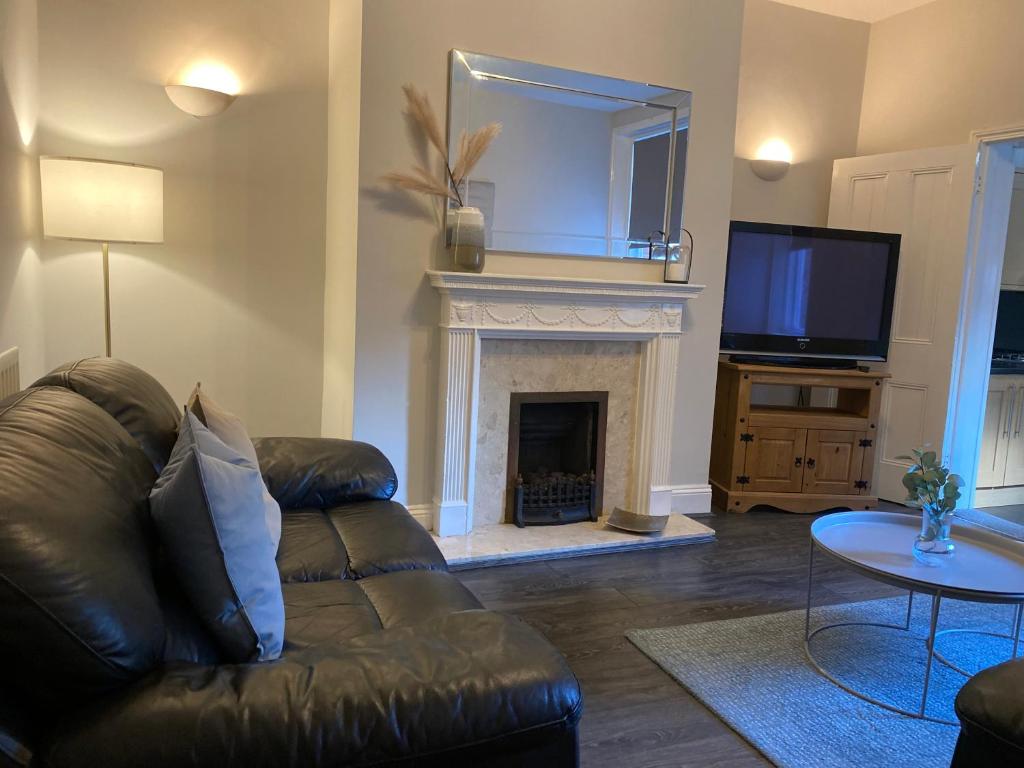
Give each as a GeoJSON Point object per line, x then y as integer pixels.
{"type": "Point", "coordinates": [465, 238]}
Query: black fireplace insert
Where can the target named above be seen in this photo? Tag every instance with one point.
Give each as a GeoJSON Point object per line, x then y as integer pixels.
{"type": "Point", "coordinates": [556, 443]}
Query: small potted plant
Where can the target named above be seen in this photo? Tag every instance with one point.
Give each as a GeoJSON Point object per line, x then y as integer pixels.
{"type": "Point", "coordinates": [936, 490]}
{"type": "Point", "coordinates": [464, 225]}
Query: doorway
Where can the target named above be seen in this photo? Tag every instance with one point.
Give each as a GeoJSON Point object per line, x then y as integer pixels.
{"type": "Point", "coordinates": [985, 428]}
{"type": "Point", "coordinates": [952, 207]}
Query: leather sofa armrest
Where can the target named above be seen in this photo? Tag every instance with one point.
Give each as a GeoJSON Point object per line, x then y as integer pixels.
{"type": "Point", "coordinates": [991, 712]}
{"type": "Point", "coordinates": [475, 681]}
{"type": "Point", "coordinates": [320, 472]}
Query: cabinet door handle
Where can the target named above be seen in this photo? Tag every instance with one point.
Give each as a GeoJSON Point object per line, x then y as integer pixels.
{"type": "Point", "coordinates": [1020, 413]}
{"type": "Point", "coordinates": [1012, 392]}
{"type": "Point", "coordinates": [798, 461]}
{"type": "Point", "coordinates": [810, 463]}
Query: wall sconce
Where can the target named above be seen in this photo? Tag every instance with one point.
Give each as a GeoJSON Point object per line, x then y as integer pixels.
{"type": "Point", "coordinates": [206, 90]}
{"type": "Point", "coordinates": [772, 161]}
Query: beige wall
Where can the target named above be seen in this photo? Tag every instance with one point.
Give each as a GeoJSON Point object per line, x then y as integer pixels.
{"type": "Point", "coordinates": [21, 317]}
{"type": "Point", "coordinates": [939, 71]}
{"type": "Point", "coordinates": [689, 44]}
{"type": "Point", "coordinates": [801, 80]}
{"type": "Point", "coordinates": [234, 297]}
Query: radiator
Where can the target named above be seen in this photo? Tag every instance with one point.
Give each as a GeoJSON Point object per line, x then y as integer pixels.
{"type": "Point", "coordinates": [10, 375]}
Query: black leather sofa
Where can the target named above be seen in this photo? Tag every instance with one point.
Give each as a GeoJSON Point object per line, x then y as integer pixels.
{"type": "Point", "coordinates": [389, 660]}
{"type": "Point", "coordinates": [991, 712]}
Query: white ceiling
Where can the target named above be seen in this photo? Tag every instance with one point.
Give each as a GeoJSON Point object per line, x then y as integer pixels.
{"type": "Point", "coordinates": [858, 10]}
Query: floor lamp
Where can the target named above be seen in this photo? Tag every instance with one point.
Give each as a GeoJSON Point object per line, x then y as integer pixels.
{"type": "Point", "coordinates": [102, 202]}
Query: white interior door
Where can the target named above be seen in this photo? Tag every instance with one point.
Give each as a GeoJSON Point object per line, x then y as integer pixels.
{"type": "Point", "coordinates": [925, 195]}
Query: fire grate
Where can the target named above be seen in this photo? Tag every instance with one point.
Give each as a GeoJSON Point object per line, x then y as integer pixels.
{"type": "Point", "coordinates": [556, 457]}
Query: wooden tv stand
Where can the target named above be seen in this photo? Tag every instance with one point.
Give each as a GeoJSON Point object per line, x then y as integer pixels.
{"type": "Point", "coordinates": [795, 458]}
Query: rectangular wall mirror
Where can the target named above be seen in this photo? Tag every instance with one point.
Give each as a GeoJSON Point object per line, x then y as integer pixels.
{"type": "Point", "coordinates": [585, 165]}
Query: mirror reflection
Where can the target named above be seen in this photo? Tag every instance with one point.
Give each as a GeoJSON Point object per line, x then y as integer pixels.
{"type": "Point", "coordinates": [585, 165]}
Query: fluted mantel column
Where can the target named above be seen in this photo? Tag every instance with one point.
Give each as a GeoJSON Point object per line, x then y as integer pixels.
{"type": "Point", "coordinates": [460, 367]}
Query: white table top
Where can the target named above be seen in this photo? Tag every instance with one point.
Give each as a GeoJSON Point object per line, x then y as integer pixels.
{"type": "Point", "coordinates": [986, 566]}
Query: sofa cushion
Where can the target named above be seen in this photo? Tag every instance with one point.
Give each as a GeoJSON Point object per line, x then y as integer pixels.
{"type": "Point", "coordinates": [326, 612]}
{"type": "Point", "coordinates": [353, 541]}
{"type": "Point", "coordinates": [381, 537]}
{"type": "Point", "coordinates": [129, 394]}
{"type": "Point", "coordinates": [231, 431]}
{"type": "Point", "coordinates": [335, 611]}
{"type": "Point", "coordinates": [310, 548]}
{"type": "Point", "coordinates": [81, 615]}
{"type": "Point", "coordinates": [209, 510]}
{"type": "Point", "coordinates": [405, 598]}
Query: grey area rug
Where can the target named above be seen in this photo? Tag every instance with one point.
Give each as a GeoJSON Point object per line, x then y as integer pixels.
{"type": "Point", "coordinates": [754, 675]}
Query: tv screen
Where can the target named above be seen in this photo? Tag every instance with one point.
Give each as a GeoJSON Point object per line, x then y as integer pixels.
{"type": "Point", "coordinates": [1010, 322]}
{"type": "Point", "coordinates": [809, 291]}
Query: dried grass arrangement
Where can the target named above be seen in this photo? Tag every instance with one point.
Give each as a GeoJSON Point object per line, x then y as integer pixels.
{"type": "Point", "coordinates": [472, 147]}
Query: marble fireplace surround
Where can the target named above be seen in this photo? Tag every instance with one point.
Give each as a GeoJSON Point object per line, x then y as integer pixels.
{"type": "Point", "coordinates": [481, 306]}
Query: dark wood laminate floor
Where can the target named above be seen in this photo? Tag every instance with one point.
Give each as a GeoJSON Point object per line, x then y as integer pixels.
{"type": "Point", "coordinates": [635, 715]}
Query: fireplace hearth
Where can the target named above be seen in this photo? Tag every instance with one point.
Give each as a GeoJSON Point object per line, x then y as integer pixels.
{"type": "Point", "coordinates": [556, 456]}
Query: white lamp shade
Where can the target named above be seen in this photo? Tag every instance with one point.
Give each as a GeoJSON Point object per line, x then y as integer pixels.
{"type": "Point", "coordinates": [103, 201]}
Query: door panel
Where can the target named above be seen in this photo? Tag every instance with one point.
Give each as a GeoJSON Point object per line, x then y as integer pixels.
{"type": "Point", "coordinates": [925, 195]}
{"type": "Point", "coordinates": [775, 459]}
{"type": "Point", "coordinates": [833, 461]}
{"type": "Point", "coordinates": [995, 432]}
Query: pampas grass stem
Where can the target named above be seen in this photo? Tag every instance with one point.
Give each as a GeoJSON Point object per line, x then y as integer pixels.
{"type": "Point", "coordinates": [471, 148]}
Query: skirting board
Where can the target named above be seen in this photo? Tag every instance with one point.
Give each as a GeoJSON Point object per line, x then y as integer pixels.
{"type": "Point", "coordinates": [693, 499]}
{"type": "Point", "coordinates": [423, 513]}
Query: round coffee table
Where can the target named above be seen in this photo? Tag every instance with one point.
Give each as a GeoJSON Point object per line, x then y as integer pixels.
{"type": "Point", "coordinates": [986, 568]}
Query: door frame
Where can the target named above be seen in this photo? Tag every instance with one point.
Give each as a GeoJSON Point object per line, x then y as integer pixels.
{"type": "Point", "coordinates": [972, 351]}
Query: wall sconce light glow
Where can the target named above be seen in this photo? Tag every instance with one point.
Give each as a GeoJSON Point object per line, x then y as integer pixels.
{"type": "Point", "coordinates": [213, 77]}
{"type": "Point", "coordinates": [19, 65]}
{"type": "Point", "coordinates": [206, 89]}
{"type": "Point", "coordinates": [775, 149]}
{"type": "Point", "coordinates": [772, 160]}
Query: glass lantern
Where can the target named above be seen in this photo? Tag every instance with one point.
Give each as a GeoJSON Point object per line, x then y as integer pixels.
{"type": "Point", "coordinates": [678, 259]}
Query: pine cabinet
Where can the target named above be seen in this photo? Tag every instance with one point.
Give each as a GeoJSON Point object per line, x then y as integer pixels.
{"type": "Point", "coordinates": [797, 458]}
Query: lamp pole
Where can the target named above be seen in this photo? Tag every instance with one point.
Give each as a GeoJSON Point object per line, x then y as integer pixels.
{"type": "Point", "coordinates": [106, 297]}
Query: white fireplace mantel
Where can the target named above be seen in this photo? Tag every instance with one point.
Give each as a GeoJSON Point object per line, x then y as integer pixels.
{"type": "Point", "coordinates": [477, 306]}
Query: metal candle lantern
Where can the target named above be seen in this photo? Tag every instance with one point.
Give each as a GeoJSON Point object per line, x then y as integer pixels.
{"type": "Point", "coordinates": [679, 259]}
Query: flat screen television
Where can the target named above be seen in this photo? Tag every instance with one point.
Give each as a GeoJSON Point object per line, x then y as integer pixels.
{"type": "Point", "coordinates": [809, 291]}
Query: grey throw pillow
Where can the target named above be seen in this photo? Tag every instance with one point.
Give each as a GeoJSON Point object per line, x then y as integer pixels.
{"type": "Point", "coordinates": [230, 429]}
{"type": "Point", "coordinates": [209, 505]}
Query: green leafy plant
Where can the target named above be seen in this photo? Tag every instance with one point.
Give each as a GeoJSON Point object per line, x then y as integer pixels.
{"type": "Point", "coordinates": [929, 484]}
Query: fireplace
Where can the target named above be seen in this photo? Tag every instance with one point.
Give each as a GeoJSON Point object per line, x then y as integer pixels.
{"type": "Point", "coordinates": [556, 447]}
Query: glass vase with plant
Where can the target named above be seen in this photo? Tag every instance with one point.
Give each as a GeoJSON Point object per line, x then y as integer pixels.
{"type": "Point", "coordinates": [464, 224]}
{"type": "Point", "coordinates": [936, 490]}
